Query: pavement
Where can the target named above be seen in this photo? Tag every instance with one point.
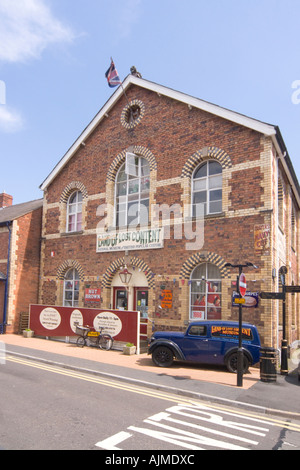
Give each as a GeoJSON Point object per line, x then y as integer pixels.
{"type": "Point", "coordinates": [212, 384]}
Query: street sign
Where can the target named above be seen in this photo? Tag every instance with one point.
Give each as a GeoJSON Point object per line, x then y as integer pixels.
{"type": "Point", "coordinates": [239, 301]}
{"type": "Point", "coordinates": [292, 289]}
{"type": "Point", "coordinates": [242, 285]}
{"type": "Point", "coordinates": [272, 295]}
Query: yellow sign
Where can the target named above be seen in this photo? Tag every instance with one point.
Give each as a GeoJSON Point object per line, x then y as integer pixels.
{"type": "Point", "coordinates": [93, 333]}
{"type": "Point", "coordinates": [239, 301]}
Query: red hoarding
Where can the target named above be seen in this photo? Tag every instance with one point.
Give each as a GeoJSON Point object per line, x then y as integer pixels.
{"type": "Point", "coordinates": [54, 321]}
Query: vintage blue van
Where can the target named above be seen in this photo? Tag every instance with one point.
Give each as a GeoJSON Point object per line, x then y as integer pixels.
{"type": "Point", "coordinates": [206, 342]}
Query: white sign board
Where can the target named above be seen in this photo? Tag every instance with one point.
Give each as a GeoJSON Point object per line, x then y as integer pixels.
{"type": "Point", "coordinates": [141, 239]}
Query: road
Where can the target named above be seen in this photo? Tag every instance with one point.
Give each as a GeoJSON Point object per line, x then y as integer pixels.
{"type": "Point", "coordinates": [47, 407]}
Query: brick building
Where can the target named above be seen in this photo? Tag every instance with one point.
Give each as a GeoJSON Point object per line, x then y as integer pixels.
{"type": "Point", "coordinates": [20, 234]}
{"type": "Point", "coordinates": [172, 188]}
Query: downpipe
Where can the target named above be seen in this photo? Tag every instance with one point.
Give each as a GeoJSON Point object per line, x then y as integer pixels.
{"type": "Point", "coordinates": [3, 325]}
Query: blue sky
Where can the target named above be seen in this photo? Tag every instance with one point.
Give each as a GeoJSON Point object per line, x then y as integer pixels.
{"type": "Point", "coordinates": [240, 54]}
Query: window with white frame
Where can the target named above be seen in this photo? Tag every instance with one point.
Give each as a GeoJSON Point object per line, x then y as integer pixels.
{"type": "Point", "coordinates": [71, 289]}
{"type": "Point", "coordinates": [132, 192]}
{"type": "Point", "coordinates": [205, 293]}
{"type": "Point", "coordinates": [74, 212]}
{"type": "Point", "coordinates": [207, 188]}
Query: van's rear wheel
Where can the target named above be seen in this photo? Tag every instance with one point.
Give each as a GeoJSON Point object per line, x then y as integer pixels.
{"type": "Point", "coordinates": [162, 356]}
{"type": "Point", "coordinates": [232, 360]}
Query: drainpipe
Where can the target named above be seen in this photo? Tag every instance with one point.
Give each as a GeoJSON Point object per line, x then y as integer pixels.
{"type": "Point", "coordinates": [8, 224]}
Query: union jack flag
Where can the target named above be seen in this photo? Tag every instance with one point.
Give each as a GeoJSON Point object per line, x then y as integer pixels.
{"type": "Point", "coordinates": [112, 76]}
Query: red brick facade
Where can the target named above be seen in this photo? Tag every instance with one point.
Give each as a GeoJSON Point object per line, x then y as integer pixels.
{"type": "Point", "coordinates": [175, 137]}
{"type": "Point", "coordinates": [23, 258]}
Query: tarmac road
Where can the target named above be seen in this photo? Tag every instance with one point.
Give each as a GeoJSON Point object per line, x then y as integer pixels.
{"type": "Point", "coordinates": [56, 408]}
{"type": "Point", "coordinates": [215, 385]}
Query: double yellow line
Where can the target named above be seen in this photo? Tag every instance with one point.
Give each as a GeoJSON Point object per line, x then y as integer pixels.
{"type": "Point", "coordinates": [147, 391]}
{"type": "Point", "coordinates": [97, 380]}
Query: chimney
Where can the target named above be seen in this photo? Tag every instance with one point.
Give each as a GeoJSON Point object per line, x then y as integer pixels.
{"type": "Point", "coordinates": [5, 200]}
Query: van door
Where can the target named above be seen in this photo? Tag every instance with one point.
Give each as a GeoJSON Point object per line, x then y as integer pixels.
{"type": "Point", "coordinates": [195, 344]}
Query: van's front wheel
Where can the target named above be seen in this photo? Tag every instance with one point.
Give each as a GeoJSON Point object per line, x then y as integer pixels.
{"type": "Point", "coordinates": [232, 361]}
{"type": "Point", "coordinates": [162, 356]}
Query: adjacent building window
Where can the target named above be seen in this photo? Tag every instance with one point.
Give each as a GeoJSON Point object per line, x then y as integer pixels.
{"type": "Point", "coordinates": [205, 293]}
{"type": "Point", "coordinates": [132, 193]}
{"type": "Point", "coordinates": [74, 212]}
{"type": "Point", "coordinates": [71, 288]}
{"type": "Point", "coordinates": [207, 188]}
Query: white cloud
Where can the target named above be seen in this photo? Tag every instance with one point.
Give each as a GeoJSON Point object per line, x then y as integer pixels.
{"type": "Point", "coordinates": [27, 27]}
{"type": "Point", "coordinates": [10, 120]}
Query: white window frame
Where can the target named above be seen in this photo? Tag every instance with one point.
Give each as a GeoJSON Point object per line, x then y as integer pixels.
{"type": "Point", "coordinates": [72, 287]}
{"type": "Point", "coordinates": [74, 209]}
{"type": "Point", "coordinates": [205, 284]}
{"type": "Point", "coordinates": [205, 180]}
{"type": "Point", "coordinates": [133, 177]}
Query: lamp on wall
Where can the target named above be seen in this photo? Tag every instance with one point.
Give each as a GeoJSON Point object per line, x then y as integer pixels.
{"type": "Point", "coordinates": [125, 276]}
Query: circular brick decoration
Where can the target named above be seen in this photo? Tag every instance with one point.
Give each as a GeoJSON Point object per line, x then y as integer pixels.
{"type": "Point", "coordinates": [132, 114]}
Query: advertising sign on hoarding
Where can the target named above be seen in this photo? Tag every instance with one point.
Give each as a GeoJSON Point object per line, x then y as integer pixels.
{"type": "Point", "coordinates": [55, 321]}
{"type": "Point", "coordinates": [251, 299]}
{"type": "Point", "coordinates": [92, 295]}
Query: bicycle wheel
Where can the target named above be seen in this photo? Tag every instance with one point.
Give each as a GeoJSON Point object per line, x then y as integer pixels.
{"type": "Point", "coordinates": [81, 342]}
{"type": "Point", "coordinates": [105, 342]}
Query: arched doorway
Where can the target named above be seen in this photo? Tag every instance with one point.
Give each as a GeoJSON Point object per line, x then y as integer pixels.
{"type": "Point", "coordinates": [133, 296]}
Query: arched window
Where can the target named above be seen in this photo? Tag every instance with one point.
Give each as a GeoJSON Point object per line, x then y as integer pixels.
{"type": "Point", "coordinates": [132, 192]}
{"type": "Point", "coordinates": [205, 293]}
{"type": "Point", "coordinates": [74, 212]}
{"type": "Point", "coordinates": [207, 188]}
{"type": "Point", "coordinates": [71, 288]}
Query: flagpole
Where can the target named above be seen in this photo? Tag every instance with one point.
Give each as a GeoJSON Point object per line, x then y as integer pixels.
{"type": "Point", "coordinates": [121, 86]}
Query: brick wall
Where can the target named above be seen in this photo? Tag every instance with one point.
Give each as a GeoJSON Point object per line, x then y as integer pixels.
{"type": "Point", "coordinates": [178, 139]}
{"type": "Point", "coordinates": [24, 267]}
{"type": "Point", "coordinates": [5, 200]}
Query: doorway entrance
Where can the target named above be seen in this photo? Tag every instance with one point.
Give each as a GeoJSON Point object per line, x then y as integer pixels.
{"type": "Point", "coordinates": [141, 301]}
{"type": "Point", "coordinates": [120, 298]}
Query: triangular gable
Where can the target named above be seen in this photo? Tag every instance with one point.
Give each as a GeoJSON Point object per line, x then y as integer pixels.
{"type": "Point", "coordinates": [237, 118]}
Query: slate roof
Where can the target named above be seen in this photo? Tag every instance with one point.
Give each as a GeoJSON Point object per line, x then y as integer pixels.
{"type": "Point", "coordinates": [13, 212]}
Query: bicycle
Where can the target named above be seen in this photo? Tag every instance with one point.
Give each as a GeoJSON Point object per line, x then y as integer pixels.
{"type": "Point", "coordinates": [88, 335]}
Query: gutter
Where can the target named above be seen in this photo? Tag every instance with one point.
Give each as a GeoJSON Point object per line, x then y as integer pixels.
{"type": "Point", "coordinates": [287, 165]}
{"type": "Point", "coordinates": [3, 325]}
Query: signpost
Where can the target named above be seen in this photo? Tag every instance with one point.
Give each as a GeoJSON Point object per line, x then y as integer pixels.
{"type": "Point", "coordinates": [242, 285]}
{"type": "Point", "coordinates": [272, 295]}
{"type": "Point", "coordinates": [241, 288]}
{"type": "Point", "coordinates": [282, 296]}
{"type": "Point", "coordinates": [292, 289]}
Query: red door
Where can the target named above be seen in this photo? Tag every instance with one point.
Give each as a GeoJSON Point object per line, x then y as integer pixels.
{"type": "Point", "coordinates": [141, 301]}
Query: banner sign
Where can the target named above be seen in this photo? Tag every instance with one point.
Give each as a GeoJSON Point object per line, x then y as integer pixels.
{"type": "Point", "coordinates": [251, 299]}
{"type": "Point", "coordinates": [130, 240]}
{"type": "Point", "coordinates": [46, 320]}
